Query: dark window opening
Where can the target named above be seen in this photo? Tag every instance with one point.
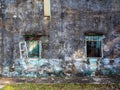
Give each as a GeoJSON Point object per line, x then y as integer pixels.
{"type": "Point", "coordinates": [93, 49]}
{"type": "Point", "coordinates": [93, 45]}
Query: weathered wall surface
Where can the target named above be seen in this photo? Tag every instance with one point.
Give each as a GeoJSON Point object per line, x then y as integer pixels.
{"type": "Point", "coordinates": [68, 22]}
{"type": "Point", "coordinates": [65, 29]}
{"type": "Point", "coordinates": [74, 17]}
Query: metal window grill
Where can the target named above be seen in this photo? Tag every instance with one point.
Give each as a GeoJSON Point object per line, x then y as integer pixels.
{"type": "Point", "coordinates": [93, 46]}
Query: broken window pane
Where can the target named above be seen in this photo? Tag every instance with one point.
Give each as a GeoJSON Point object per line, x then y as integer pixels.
{"type": "Point", "coordinates": [33, 48]}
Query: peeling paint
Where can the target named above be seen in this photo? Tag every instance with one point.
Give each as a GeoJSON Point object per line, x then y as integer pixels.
{"type": "Point", "coordinates": [62, 36]}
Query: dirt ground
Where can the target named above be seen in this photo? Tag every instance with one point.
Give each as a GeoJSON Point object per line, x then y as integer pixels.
{"type": "Point", "coordinates": [87, 79]}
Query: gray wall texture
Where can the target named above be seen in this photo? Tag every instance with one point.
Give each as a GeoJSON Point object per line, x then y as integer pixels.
{"type": "Point", "coordinates": [64, 29]}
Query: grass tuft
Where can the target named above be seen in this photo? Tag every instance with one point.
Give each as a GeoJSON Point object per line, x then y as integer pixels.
{"type": "Point", "coordinates": [62, 87]}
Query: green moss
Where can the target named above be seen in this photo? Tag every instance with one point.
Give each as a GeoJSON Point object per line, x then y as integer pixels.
{"type": "Point", "coordinates": [62, 87]}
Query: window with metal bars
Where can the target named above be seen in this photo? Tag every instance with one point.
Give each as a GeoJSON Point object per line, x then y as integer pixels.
{"type": "Point", "coordinates": [93, 45]}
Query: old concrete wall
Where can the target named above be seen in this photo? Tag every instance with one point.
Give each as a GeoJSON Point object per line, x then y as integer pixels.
{"type": "Point", "coordinates": [1, 49]}
{"type": "Point", "coordinates": [65, 29]}
{"type": "Point", "coordinates": [24, 18]}
{"type": "Point", "coordinates": [67, 24]}
{"type": "Point", "coordinates": [71, 18]}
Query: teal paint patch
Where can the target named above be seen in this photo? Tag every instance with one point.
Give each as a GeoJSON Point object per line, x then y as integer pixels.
{"type": "Point", "coordinates": [45, 67]}
{"type": "Point", "coordinates": [93, 38]}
